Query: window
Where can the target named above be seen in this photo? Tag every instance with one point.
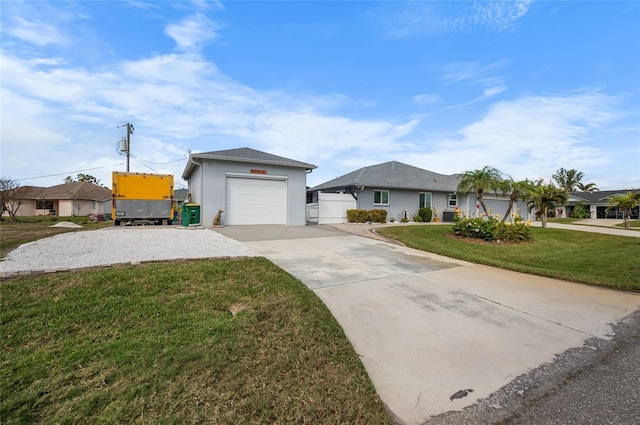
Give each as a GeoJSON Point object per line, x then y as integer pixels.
{"type": "Point", "coordinates": [380, 197]}
{"type": "Point", "coordinates": [425, 200]}
{"type": "Point", "coordinates": [452, 201]}
{"type": "Point", "coordinates": [44, 205]}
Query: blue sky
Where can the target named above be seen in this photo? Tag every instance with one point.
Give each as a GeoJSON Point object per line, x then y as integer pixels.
{"type": "Point", "coordinates": [449, 86]}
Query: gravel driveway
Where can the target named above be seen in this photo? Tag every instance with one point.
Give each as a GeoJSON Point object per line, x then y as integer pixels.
{"type": "Point", "coordinates": [118, 245]}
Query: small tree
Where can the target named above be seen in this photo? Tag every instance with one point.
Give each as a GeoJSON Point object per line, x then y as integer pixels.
{"type": "Point", "coordinates": [588, 187]}
{"type": "Point", "coordinates": [626, 203]}
{"type": "Point", "coordinates": [516, 190]}
{"type": "Point", "coordinates": [580, 210]}
{"type": "Point", "coordinates": [11, 194]}
{"type": "Point", "coordinates": [544, 197]}
{"type": "Point", "coordinates": [80, 177]}
{"type": "Point", "coordinates": [568, 179]}
{"type": "Point", "coordinates": [489, 178]}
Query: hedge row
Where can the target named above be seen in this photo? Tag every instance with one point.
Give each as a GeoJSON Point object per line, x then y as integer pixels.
{"type": "Point", "coordinates": [364, 216]}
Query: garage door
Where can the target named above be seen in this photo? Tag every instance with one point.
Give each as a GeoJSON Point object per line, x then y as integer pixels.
{"type": "Point", "coordinates": [256, 201]}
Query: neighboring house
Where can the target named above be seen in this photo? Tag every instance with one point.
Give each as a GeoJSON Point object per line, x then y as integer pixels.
{"type": "Point", "coordinates": [250, 186]}
{"type": "Point", "coordinates": [179, 195]}
{"type": "Point", "coordinates": [67, 199]}
{"type": "Point", "coordinates": [402, 190]}
{"type": "Point", "coordinates": [597, 203]}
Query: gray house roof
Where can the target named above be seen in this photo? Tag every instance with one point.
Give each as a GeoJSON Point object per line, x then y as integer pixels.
{"type": "Point", "coordinates": [245, 155]}
{"type": "Point", "coordinates": [393, 175]}
{"type": "Point", "coordinates": [599, 197]}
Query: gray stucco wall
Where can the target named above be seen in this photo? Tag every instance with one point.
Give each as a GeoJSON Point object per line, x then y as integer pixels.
{"type": "Point", "coordinates": [496, 205]}
{"type": "Point", "coordinates": [400, 199]}
{"type": "Point", "coordinates": [207, 185]}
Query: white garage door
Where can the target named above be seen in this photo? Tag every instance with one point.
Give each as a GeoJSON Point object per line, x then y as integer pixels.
{"type": "Point", "coordinates": [256, 201]}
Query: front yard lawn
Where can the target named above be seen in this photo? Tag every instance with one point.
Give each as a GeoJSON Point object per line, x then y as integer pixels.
{"type": "Point", "coordinates": [157, 344]}
{"type": "Point", "coordinates": [591, 258]}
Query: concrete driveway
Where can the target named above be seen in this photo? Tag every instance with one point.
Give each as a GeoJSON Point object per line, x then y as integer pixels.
{"type": "Point", "coordinates": [427, 327]}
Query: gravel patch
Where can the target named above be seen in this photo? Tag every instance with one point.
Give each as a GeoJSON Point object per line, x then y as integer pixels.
{"type": "Point", "coordinates": [67, 224]}
{"type": "Point", "coordinates": [119, 245]}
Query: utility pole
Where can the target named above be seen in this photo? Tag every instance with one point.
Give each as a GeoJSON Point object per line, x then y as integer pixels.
{"type": "Point", "coordinates": [129, 131]}
{"type": "Point", "coordinates": [127, 142]}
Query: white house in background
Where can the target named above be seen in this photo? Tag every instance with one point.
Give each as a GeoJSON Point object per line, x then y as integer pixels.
{"type": "Point", "coordinates": [597, 203]}
{"type": "Point", "coordinates": [250, 186]}
{"type": "Point", "coordinates": [402, 190]}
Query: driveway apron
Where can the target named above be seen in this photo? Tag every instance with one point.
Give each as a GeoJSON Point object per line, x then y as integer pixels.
{"type": "Point", "coordinates": [427, 327]}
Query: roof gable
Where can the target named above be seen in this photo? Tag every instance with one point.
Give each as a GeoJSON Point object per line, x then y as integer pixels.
{"type": "Point", "coordinates": [245, 155]}
{"type": "Point", "coordinates": [394, 175]}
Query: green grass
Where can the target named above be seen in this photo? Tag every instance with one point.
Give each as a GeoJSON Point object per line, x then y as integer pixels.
{"type": "Point", "coordinates": [595, 259]}
{"type": "Point", "coordinates": [634, 225]}
{"type": "Point", "coordinates": [157, 344]}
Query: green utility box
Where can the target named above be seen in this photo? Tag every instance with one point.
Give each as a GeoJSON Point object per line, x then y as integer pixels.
{"type": "Point", "coordinates": [190, 214]}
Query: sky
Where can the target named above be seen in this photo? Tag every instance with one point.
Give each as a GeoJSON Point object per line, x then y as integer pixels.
{"type": "Point", "coordinates": [525, 86]}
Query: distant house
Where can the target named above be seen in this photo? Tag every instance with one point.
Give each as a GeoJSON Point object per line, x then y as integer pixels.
{"type": "Point", "coordinates": [67, 199]}
{"type": "Point", "coordinates": [402, 190]}
{"type": "Point", "coordinates": [250, 186]}
{"type": "Point", "coordinates": [597, 203]}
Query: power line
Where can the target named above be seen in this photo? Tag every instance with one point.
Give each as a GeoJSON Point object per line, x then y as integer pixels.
{"type": "Point", "coordinates": [160, 163]}
{"type": "Point", "coordinates": [143, 163]}
{"type": "Point", "coordinates": [70, 172]}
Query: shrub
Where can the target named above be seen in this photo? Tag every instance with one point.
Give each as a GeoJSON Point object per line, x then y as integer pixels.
{"type": "Point", "coordinates": [580, 211]}
{"type": "Point", "coordinates": [491, 229]}
{"type": "Point", "coordinates": [425, 214]}
{"type": "Point", "coordinates": [378, 216]}
{"type": "Point", "coordinates": [416, 218]}
{"type": "Point", "coordinates": [357, 216]}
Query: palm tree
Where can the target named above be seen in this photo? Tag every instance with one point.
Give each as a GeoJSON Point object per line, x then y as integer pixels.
{"type": "Point", "coordinates": [568, 179]}
{"type": "Point", "coordinates": [626, 203]}
{"type": "Point", "coordinates": [588, 187]}
{"type": "Point", "coordinates": [516, 190]}
{"type": "Point", "coordinates": [489, 178]}
{"type": "Point", "coordinates": [543, 197]}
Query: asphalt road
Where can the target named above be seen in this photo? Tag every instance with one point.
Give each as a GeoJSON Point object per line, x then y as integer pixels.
{"type": "Point", "coordinates": [597, 384]}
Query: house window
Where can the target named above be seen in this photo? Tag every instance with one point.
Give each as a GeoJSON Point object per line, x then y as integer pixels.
{"type": "Point", "coordinates": [380, 197]}
{"type": "Point", "coordinates": [452, 201]}
{"type": "Point", "coordinates": [425, 200]}
{"type": "Point", "coordinates": [44, 205]}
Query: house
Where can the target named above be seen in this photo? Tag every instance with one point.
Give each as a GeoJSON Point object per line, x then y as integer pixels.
{"type": "Point", "coordinates": [402, 190]}
{"type": "Point", "coordinates": [250, 186]}
{"type": "Point", "coordinates": [597, 203]}
{"type": "Point", "coordinates": [67, 199]}
{"type": "Point", "coordinates": [398, 188]}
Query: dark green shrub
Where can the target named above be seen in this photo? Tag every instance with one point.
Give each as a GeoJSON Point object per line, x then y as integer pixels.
{"type": "Point", "coordinates": [378, 216]}
{"type": "Point", "coordinates": [426, 214]}
{"type": "Point", "coordinates": [357, 216]}
{"type": "Point", "coordinates": [417, 219]}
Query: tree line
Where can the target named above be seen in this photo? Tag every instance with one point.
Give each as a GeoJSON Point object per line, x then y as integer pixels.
{"type": "Point", "coordinates": [541, 197]}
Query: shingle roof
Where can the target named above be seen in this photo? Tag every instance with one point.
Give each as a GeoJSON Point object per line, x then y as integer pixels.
{"type": "Point", "coordinates": [393, 175]}
{"type": "Point", "coordinates": [598, 196]}
{"type": "Point", "coordinates": [246, 155]}
{"type": "Point", "coordinates": [76, 190]}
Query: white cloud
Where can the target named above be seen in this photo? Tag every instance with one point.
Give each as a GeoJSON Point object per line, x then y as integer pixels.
{"type": "Point", "coordinates": [192, 33]}
{"type": "Point", "coordinates": [35, 32]}
{"type": "Point", "coordinates": [408, 19]}
{"type": "Point", "coordinates": [527, 138]}
{"type": "Point", "coordinates": [426, 99]}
